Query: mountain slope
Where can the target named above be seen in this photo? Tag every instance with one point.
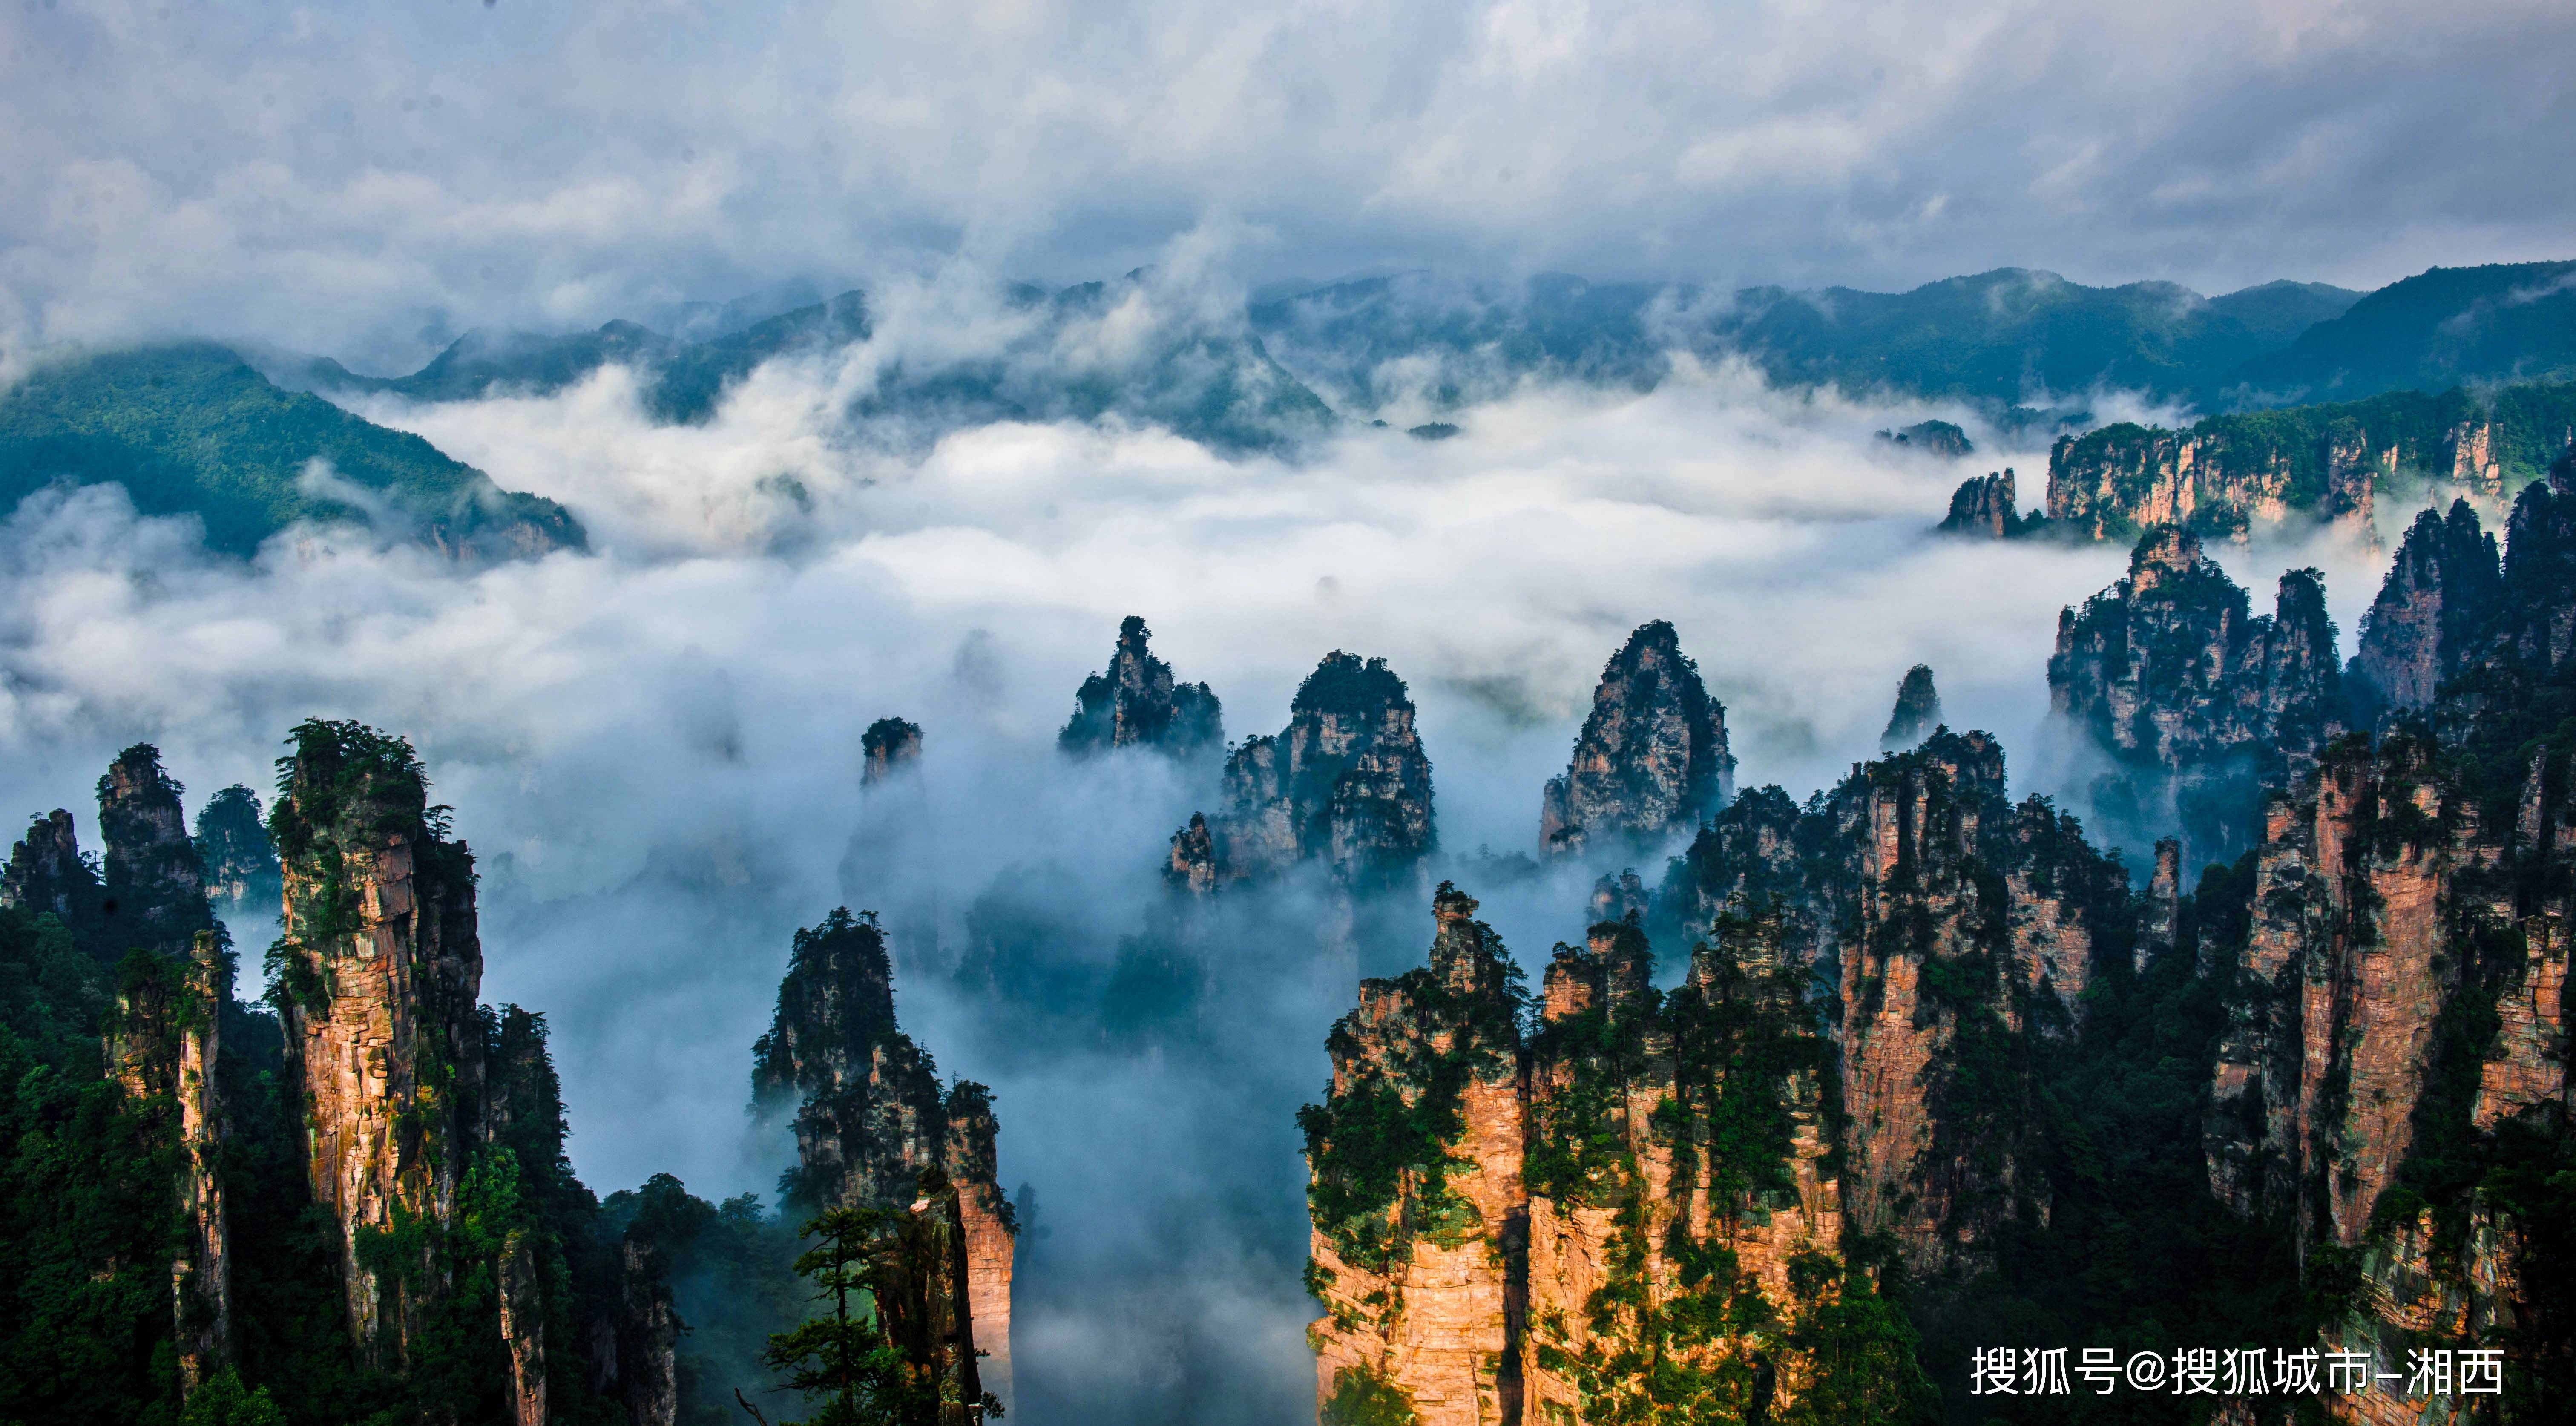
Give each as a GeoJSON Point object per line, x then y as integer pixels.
{"type": "Point", "coordinates": [2449, 326]}
{"type": "Point", "coordinates": [192, 429]}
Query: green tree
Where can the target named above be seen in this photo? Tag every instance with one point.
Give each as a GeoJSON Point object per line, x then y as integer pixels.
{"type": "Point", "coordinates": [846, 1360]}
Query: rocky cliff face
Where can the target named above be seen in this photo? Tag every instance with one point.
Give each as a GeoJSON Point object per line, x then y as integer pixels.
{"type": "Point", "coordinates": [1136, 702]}
{"type": "Point", "coordinates": [1652, 757]}
{"type": "Point", "coordinates": [1346, 784]}
{"type": "Point", "coordinates": [1917, 711]}
{"type": "Point", "coordinates": [890, 745]}
{"type": "Point", "coordinates": [155, 888]}
{"type": "Point", "coordinates": [873, 1128]}
{"type": "Point", "coordinates": [1984, 507]}
{"type": "Point", "coordinates": [1509, 1229]}
{"type": "Point", "coordinates": [377, 975]}
{"type": "Point", "coordinates": [2199, 702]}
{"type": "Point", "coordinates": [1418, 1207]}
{"type": "Point", "coordinates": [2440, 599]}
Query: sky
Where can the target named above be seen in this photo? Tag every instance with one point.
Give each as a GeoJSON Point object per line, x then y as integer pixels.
{"type": "Point", "coordinates": [367, 181]}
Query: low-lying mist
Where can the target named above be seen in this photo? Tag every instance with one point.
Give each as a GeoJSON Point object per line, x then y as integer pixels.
{"type": "Point", "coordinates": [654, 751]}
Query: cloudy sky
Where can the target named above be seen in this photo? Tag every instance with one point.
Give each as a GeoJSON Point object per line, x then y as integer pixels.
{"type": "Point", "coordinates": [367, 179]}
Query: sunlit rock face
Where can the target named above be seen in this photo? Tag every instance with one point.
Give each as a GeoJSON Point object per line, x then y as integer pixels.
{"type": "Point", "coordinates": [1137, 703]}
{"type": "Point", "coordinates": [874, 1129]}
{"type": "Point", "coordinates": [378, 972]}
{"type": "Point", "coordinates": [1652, 757]}
{"type": "Point", "coordinates": [2198, 703]}
{"type": "Point", "coordinates": [1346, 784]}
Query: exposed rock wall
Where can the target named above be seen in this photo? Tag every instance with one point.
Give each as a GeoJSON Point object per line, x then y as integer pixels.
{"type": "Point", "coordinates": [379, 968]}
{"type": "Point", "coordinates": [1652, 757]}
{"type": "Point", "coordinates": [1136, 702]}
{"type": "Point", "coordinates": [872, 1125]}
{"type": "Point", "coordinates": [2201, 703]}
{"type": "Point", "coordinates": [1346, 784]}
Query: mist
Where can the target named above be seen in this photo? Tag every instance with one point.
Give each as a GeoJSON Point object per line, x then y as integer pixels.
{"type": "Point", "coordinates": [653, 749]}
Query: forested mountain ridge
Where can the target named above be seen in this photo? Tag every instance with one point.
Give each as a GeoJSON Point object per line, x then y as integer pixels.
{"type": "Point", "coordinates": [193, 429]}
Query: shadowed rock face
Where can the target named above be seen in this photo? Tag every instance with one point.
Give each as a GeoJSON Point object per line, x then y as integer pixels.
{"type": "Point", "coordinates": [1137, 703]}
{"type": "Point", "coordinates": [155, 892]}
{"type": "Point", "coordinates": [1346, 784]}
{"type": "Point", "coordinates": [2441, 597]}
{"type": "Point", "coordinates": [873, 1128]}
{"type": "Point", "coordinates": [46, 875]}
{"type": "Point", "coordinates": [1917, 712]}
{"type": "Point", "coordinates": [890, 745]}
{"type": "Point", "coordinates": [232, 848]}
{"type": "Point", "coordinates": [1652, 757]}
{"type": "Point", "coordinates": [2201, 704]}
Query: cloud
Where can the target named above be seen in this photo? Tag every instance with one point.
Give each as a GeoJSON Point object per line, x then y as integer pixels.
{"type": "Point", "coordinates": [654, 749]}
{"type": "Point", "coordinates": [367, 183]}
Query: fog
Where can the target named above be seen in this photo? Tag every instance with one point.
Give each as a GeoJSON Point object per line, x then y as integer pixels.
{"type": "Point", "coordinates": [653, 749]}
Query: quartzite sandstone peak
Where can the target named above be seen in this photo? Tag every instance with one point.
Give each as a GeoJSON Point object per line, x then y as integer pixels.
{"type": "Point", "coordinates": [1346, 783]}
{"type": "Point", "coordinates": [377, 973]}
{"type": "Point", "coordinates": [46, 875]}
{"type": "Point", "coordinates": [1917, 711]}
{"type": "Point", "coordinates": [2440, 601]}
{"type": "Point", "coordinates": [1137, 702]}
{"type": "Point", "coordinates": [873, 1128]}
{"type": "Point", "coordinates": [1506, 1228]}
{"type": "Point", "coordinates": [2201, 702]}
{"type": "Point", "coordinates": [1982, 507]}
{"type": "Point", "coordinates": [232, 847]}
{"type": "Point", "coordinates": [155, 891]}
{"type": "Point", "coordinates": [1652, 757]}
{"type": "Point", "coordinates": [890, 745]}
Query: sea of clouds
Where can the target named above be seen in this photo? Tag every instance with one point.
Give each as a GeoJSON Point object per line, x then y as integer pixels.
{"type": "Point", "coordinates": [653, 748]}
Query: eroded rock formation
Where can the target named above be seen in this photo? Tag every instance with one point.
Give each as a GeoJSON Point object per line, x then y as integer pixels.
{"type": "Point", "coordinates": [378, 971]}
{"type": "Point", "coordinates": [2201, 703]}
{"type": "Point", "coordinates": [1652, 757]}
{"type": "Point", "coordinates": [2439, 603]}
{"type": "Point", "coordinates": [1984, 507]}
{"type": "Point", "coordinates": [46, 875]}
{"type": "Point", "coordinates": [873, 1127]}
{"type": "Point", "coordinates": [155, 888]}
{"type": "Point", "coordinates": [232, 848]}
{"type": "Point", "coordinates": [1346, 784]}
{"type": "Point", "coordinates": [1136, 702]}
{"type": "Point", "coordinates": [890, 745]}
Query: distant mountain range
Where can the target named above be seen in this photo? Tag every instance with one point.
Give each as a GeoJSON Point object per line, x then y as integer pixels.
{"type": "Point", "coordinates": [194, 428]}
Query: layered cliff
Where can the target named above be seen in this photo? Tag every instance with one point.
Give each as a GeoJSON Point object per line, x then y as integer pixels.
{"type": "Point", "coordinates": [2230, 474]}
{"type": "Point", "coordinates": [1346, 783]}
{"type": "Point", "coordinates": [1652, 757]}
{"type": "Point", "coordinates": [1630, 1213]}
{"type": "Point", "coordinates": [1137, 702]}
{"type": "Point", "coordinates": [2198, 703]}
{"type": "Point", "coordinates": [873, 1127]}
{"type": "Point", "coordinates": [377, 972]}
